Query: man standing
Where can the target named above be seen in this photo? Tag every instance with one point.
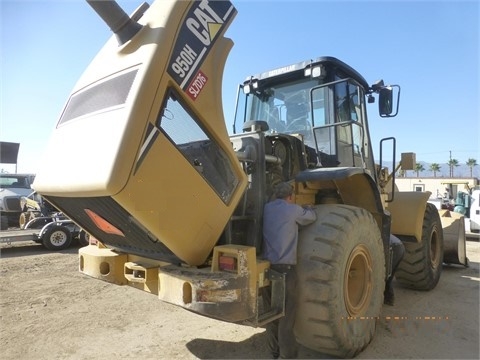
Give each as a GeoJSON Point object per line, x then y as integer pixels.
{"type": "Point", "coordinates": [281, 218]}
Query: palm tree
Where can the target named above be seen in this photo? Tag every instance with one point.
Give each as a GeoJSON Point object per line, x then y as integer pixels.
{"type": "Point", "coordinates": [452, 163]}
{"type": "Point", "coordinates": [434, 167]}
{"type": "Point", "coordinates": [419, 168]}
{"type": "Point", "coordinates": [471, 163]}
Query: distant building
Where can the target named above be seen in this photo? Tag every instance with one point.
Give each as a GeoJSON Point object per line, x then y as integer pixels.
{"type": "Point", "coordinates": [445, 188]}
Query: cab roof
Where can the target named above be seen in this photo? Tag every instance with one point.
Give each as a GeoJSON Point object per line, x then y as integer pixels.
{"type": "Point", "coordinates": [328, 61]}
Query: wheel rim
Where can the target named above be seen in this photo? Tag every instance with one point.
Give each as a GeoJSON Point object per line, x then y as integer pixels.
{"type": "Point", "coordinates": [435, 249]}
{"type": "Point", "coordinates": [358, 281]}
{"type": "Point", "coordinates": [58, 238]}
{"type": "Point", "coordinates": [23, 220]}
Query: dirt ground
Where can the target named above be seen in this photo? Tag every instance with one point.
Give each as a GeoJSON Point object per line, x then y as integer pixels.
{"type": "Point", "coordinates": [51, 311]}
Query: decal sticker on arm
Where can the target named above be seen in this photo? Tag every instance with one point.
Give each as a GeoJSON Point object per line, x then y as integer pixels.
{"type": "Point", "coordinates": [204, 21]}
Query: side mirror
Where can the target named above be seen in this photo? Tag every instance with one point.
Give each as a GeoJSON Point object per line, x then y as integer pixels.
{"type": "Point", "coordinates": [388, 101]}
{"type": "Point", "coordinates": [385, 100]}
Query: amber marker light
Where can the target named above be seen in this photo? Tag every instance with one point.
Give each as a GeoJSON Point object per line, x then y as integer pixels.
{"type": "Point", "coordinates": [103, 224]}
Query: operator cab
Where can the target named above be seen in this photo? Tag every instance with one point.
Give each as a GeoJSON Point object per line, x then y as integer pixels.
{"type": "Point", "coordinates": [323, 102]}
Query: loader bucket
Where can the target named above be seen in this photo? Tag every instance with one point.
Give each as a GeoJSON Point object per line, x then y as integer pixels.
{"type": "Point", "coordinates": [453, 225]}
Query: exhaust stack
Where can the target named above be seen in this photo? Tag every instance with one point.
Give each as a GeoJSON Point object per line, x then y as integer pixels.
{"type": "Point", "coordinates": [119, 22]}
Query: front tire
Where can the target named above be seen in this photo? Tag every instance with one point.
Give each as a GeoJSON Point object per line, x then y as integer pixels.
{"type": "Point", "coordinates": [83, 238]}
{"type": "Point", "coordinates": [421, 266]}
{"type": "Point", "coordinates": [3, 222]}
{"type": "Point", "coordinates": [57, 237]}
{"type": "Point", "coordinates": [341, 274]}
{"type": "Point", "coordinates": [24, 219]}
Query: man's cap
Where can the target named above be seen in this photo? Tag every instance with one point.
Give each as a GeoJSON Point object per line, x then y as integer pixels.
{"type": "Point", "coordinates": [282, 190]}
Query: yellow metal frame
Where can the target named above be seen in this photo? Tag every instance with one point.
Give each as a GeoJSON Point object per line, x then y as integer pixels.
{"type": "Point", "coordinates": [407, 211]}
{"type": "Point", "coordinates": [226, 295]}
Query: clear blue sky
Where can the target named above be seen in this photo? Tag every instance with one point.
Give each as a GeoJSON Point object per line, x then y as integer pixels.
{"type": "Point", "coordinates": [429, 48]}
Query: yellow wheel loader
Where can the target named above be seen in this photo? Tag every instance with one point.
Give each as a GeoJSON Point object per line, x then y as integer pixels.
{"type": "Point", "coordinates": [175, 203]}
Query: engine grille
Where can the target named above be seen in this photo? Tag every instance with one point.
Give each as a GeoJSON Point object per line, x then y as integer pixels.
{"type": "Point", "coordinates": [12, 204]}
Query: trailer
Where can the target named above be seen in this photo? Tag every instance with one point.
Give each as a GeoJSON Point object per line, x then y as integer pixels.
{"type": "Point", "coordinates": [54, 233]}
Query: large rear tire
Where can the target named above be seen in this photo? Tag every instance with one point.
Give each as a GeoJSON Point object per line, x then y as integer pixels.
{"type": "Point", "coordinates": [341, 279]}
{"type": "Point", "coordinates": [421, 266]}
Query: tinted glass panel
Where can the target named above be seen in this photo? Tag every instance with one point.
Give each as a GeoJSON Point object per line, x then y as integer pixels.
{"type": "Point", "coordinates": [201, 150]}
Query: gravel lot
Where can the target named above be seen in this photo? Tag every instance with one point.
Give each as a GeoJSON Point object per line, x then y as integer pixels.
{"type": "Point", "coordinates": [51, 311]}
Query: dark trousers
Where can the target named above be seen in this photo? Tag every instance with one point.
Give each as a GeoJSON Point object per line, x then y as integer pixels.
{"type": "Point", "coordinates": [281, 340]}
{"type": "Point", "coordinates": [398, 251]}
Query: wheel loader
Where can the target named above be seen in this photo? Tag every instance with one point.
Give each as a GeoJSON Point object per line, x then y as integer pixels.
{"type": "Point", "coordinates": [175, 203]}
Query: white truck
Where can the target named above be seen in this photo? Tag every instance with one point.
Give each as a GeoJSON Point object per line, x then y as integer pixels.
{"type": "Point", "coordinates": [475, 211]}
{"type": "Point", "coordinates": [12, 188]}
